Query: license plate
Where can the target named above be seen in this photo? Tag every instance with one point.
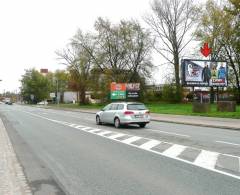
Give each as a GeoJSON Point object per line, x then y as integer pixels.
{"type": "Point", "coordinates": [138, 116]}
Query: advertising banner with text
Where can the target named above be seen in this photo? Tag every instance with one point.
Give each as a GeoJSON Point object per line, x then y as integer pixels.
{"type": "Point", "coordinates": [125, 91]}
{"type": "Point", "coordinates": [204, 73]}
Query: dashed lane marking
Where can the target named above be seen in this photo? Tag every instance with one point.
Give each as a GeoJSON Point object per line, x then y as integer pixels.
{"type": "Point", "coordinates": [205, 159]}
{"type": "Point", "coordinates": [92, 131]}
{"type": "Point", "coordinates": [116, 136]}
{"type": "Point", "coordinates": [131, 139]}
{"type": "Point", "coordinates": [229, 143]}
{"type": "Point", "coordinates": [174, 150]}
{"type": "Point", "coordinates": [104, 133]}
{"type": "Point", "coordinates": [150, 144]}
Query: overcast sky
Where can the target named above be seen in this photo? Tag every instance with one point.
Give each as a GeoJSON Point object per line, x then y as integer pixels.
{"type": "Point", "coordinates": [32, 30]}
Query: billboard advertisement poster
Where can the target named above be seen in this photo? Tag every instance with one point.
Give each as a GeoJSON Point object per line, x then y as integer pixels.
{"type": "Point", "coordinates": [120, 91]}
{"type": "Point", "coordinates": [118, 95]}
{"type": "Point", "coordinates": [118, 86]}
{"type": "Point", "coordinates": [204, 73]}
{"type": "Point", "coordinates": [132, 94]}
{"type": "Point", "coordinates": [133, 86]}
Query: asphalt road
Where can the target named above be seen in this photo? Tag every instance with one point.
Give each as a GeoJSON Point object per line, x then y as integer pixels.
{"type": "Point", "coordinates": [64, 152]}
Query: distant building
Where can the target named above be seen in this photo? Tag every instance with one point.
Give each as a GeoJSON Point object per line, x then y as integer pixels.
{"type": "Point", "coordinates": [44, 71]}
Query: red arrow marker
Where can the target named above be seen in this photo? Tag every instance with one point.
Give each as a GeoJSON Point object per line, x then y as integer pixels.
{"type": "Point", "coordinates": [205, 50]}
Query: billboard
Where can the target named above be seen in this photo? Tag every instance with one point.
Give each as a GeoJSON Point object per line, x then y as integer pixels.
{"type": "Point", "coordinates": [204, 73]}
{"type": "Point", "coordinates": [118, 91]}
{"type": "Point", "coordinates": [133, 90]}
{"type": "Point", "coordinates": [124, 90]}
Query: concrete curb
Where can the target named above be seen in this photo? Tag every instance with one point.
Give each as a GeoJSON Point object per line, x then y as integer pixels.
{"type": "Point", "coordinates": [153, 119]}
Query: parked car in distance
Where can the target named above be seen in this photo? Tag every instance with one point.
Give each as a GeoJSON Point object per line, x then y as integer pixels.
{"type": "Point", "coordinates": [124, 113]}
{"type": "Point", "coordinates": [43, 103]}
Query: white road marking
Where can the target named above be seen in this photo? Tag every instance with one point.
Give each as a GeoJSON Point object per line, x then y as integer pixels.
{"type": "Point", "coordinates": [206, 159]}
{"type": "Point", "coordinates": [92, 131]}
{"type": "Point", "coordinates": [116, 135]}
{"type": "Point", "coordinates": [79, 127]}
{"type": "Point", "coordinates": [131, 139]}
{"type": "Point", "coordinates": [72, 125]}
{"type": "Point", "coordinates": [170, 133]}
{"type": "Point", "coordinates": [150, 144]}
{"type": "Point", "coordinates": [229, 143]}
{"type": "Point", "coordinates": [174, 150]}
{"type": "Point", "coordinates": [87, 128]}
{"type": "Point", "coordinates": [104, 133]}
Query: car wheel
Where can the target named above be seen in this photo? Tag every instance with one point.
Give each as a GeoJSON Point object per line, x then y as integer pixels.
{"type": "Point", "coordinates": [117, 122]}
{"type": "Point", "coordinates": [142, 125]}
{"type": "Point", "coordinates": [98, 120]}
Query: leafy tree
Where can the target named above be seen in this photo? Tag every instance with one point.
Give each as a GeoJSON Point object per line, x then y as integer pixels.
{"type": "Point", "coordinates": [118, 49]}
{"type": "Point", "coordinates": [171, 22]}
{"type": "Point", "coordinates": [124, 50]}
{"type": "Point", "coordinates": [220, 27]}
{"type": "Point", "coordinates": [34, 83]}
{"type": "Point", "coordinates": [79, 64]}
{"type": "Point", "coordinates": [59, 80]}
{"type": "Point", "coordinates": [115, 53]}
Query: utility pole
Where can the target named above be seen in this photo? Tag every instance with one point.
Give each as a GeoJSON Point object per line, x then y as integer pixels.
{"type": "Point", "coordinates": [57, 92]}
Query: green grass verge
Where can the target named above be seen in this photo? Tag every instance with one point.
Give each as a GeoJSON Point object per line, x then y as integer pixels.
{"type": "Point", "coordinates": [166, 108]}
{"type": "Point", "coordinates": [186, 109]}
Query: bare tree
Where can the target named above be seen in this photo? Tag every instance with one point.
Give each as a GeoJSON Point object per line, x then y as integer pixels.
{"type": "Point", "coordinates": [171, 22]}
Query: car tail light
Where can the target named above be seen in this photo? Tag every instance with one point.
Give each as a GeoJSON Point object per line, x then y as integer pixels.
{"type": "Point", "coordinates": [128, 112]}
{"type": "Point", "coordinates": [147, 112]}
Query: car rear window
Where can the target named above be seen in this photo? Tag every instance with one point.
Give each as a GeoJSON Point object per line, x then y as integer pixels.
{"type": "Point", "coordinates": [136, 107]}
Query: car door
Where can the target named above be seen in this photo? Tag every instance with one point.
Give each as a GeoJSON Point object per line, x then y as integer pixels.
{"type": "Point", "coordinates": [105, 112]}
{"type": "Point", "coordinates": [111, 113]}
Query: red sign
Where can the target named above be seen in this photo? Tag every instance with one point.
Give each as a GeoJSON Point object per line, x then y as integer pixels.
{"type": "Point", "coordinates": [118, 87]}
{"type": "Point", "coordinates": [205, 50]}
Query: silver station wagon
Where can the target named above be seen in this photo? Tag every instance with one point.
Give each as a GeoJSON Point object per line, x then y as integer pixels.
{"type": "Point", "coordinates": [124, 113]}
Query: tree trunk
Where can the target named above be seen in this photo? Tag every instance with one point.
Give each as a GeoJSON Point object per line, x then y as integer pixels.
{"type": "Point", "coordinates": [177, 77]}
{"type": "Point", "coordinates": [82, 91]}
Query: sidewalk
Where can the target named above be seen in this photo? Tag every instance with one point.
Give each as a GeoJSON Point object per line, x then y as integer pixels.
{"type": "Point", "coordinates": [224, 123]}
{"type": "Point", "coordinates": [12, 179]}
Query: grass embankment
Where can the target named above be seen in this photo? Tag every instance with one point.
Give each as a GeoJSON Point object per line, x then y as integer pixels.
{"type": "Point", "coordinates": [166, 108]}
{"type": "Point", "coordinates": [186, 109]}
